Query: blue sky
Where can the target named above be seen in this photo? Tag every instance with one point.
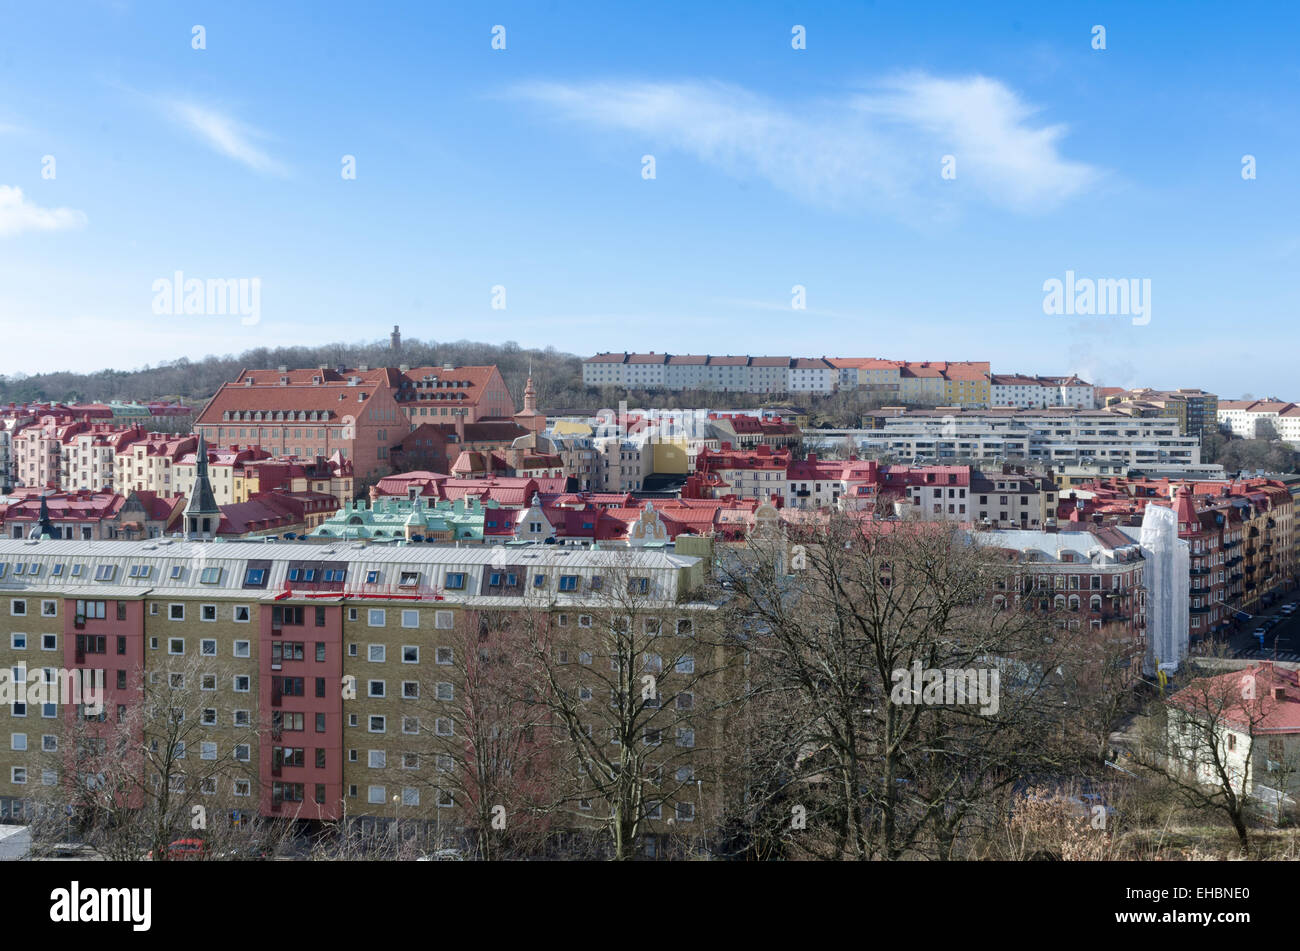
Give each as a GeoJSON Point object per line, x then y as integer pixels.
{"type": "Point", "coordinates": [774, 167]}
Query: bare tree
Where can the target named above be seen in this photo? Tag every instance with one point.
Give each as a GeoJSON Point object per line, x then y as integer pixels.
{"type": "Point", "coordinates": [633, 688]}
{"type": "Point", "coordinates": [482, 742]}
{"type": "Point", "coordinates": [137, 777]}
{"type": "Point", "coordinates": [857, 753]}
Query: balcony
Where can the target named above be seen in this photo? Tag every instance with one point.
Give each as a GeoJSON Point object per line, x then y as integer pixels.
{"type": "Point", "coordinates": [1202, 610]}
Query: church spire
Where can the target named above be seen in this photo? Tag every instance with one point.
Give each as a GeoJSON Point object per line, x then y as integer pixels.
{"type": "Point", "coordinates": [202, 517]}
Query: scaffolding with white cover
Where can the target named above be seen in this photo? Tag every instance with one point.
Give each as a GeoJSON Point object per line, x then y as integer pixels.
{"type": "Point", "coordinates": [1166, 570]}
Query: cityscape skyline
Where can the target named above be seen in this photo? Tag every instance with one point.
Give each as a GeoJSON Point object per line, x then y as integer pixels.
{"type": "Point", "coordinates": [515, 169]}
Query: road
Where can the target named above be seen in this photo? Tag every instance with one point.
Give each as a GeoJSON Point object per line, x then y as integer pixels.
{"type": "Point", "coordinates": [1285, 634]}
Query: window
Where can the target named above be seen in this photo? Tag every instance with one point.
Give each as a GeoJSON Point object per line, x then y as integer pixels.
{"type": "Point", "coordinates": [654, 809]}
{"type": "Point", "coordinates": [685, 736]}
{"type": "Point", "coordinates": [375, 688]}
{"type": "Point", "coordinates": [241, 752]}
{"type": "Point", "coordinates": [207, 612]}
{"type": "Point", "coordinates": [377, 724]}
{"type": "Point", "coordinates": [410, 654]}
{"type": "Point", "coordinates": [175, 612]}
{"type": "Point", "coordinates": [568, 582]}
{"type": "Point", "coordinates": [18, 775]}
{"type": "Point", "coordinates": [254, 576]}
{"type": "Point", "coordinates": [410, 725]}
{"type": "Point", "coordinates": [210, 576]}
{"type": "Point", "coordinates": [445, 691]}
{"type": "Point", "coordinates": [18, 607]}
{"type": "Point", "coordinates": [105, 572]}
{"type": "Point", "coordinates": [376, 794]}
{"type": "Point", "coordinates": [443, 726]}
{"type": "Point", "coordinates": [18, 741]}
{"type": "Point", "coordinates": [207, 682]}
{"type": "Point", "coordinates": [454, 580]}
{"type": "Point", "coordinates": [652, 737]}
{"type": "Point", "coordinates": [443, 655]}
{"type": "Point", "coordinates": [243, 683]}
{"type": "Point", "coordinates": [50, 642]}
{"type": "Point", "coordinates": [207, 750]}
{"type": "Point", "coordinates": [378, 759]}
{"type": "Point", "coordinates": [408, 579]}
{"type": "Point", "coordinates": [208, 716]}
{"type": "Point", "coordinates": [686, 701]}
{"type": "Point", "coordinates": [375, 617]}
{"type": "Point", "coordinates": [91, 610]}
{"type": "Point", "coordinates": [241, 717]}
{"type": "Point", "coordinates": [410, 690]}
{"type": "Point", "coordinates": [320, 652]}
{"type": "Point", "coordinates": [49, 608]}
{"type": "Point", "coordinates": [443, 620]}
{"type": "Point", "coordinates": [208, 647]}
{"type": "Point", "coordinates": [376, 653]}
{"type": "Point", "coordinates": [685, 628]}
{"type": "Point", "coordinates": [18, 642]}
{"type": "Point", "coordinates": [686, 812]}
{"type": "Point", "coordinates": [584, 620]}
{"type": "Point", "coordinates": [410, 619]}
{"type": "Point", "coordinates": [241, 613]}
{"type": "Point", "coordinates": [242, 648]}
{"type": "Point", "coordinates": [320, 723]}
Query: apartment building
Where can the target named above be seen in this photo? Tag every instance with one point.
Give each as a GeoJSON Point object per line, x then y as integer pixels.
{"type": "Point", "coordinates": [146, 465]}
{"type": "Point", "coordinates": [1040, 392]}
{"type": "Point", "coordinates": [730, 373]}
{"type": "Point", "coordinates": [270, 631]}
{"type": "Point", "coordinates": [1195, 410]}
{"type": "Point", "coordinates": [1242, 418]}
{"type": "Point", "coordinates": [38, 450]}
{"type": "Point", "coordinates": [1092, 578]}
{"type": "Point", "coordinates": [1240, 534]}
{"type": "Point", "coordinates": [1052, 437]}
{"type": "Point", "coordinates": [89, 455]}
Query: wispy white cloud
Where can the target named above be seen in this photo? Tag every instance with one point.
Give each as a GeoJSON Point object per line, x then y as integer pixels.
{"type": "Point", "coordinates": [19, 214]}
{"type": "Point", "coordinates": [224, 134]}
{"type": "Point", "coordinates": [879, 148]}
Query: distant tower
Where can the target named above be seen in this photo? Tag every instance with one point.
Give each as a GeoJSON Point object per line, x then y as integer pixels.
{"type": "Point", "coordinates": [529, 418]}
{"type": "Point", "coordinates": [395, 339]}
{"type": "Point", "coordinates": [202, 517]}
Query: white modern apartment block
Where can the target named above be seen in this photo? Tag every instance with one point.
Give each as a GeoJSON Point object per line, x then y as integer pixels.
{"type": "Point", "coordinates": [1040, 392]}
{"type": "Point", "coordinates": [1053, 436]}
{"type": "Point", "coordinates": [1240, 417]}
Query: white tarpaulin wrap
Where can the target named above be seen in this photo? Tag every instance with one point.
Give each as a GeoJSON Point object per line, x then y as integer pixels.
{"type": "Point", "coordinates": [1166, 583]}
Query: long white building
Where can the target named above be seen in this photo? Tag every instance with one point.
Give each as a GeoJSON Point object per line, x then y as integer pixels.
{"type": "Point", "coordinates": [1052, 436]}
{"type": "Point", "coordinates": [734, 374]}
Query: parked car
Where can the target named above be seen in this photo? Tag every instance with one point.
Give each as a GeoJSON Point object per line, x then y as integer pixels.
{"type": "Point", "coordinates": [443, 855]}
{"type": "Point", "coordinates": [184, 849]}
